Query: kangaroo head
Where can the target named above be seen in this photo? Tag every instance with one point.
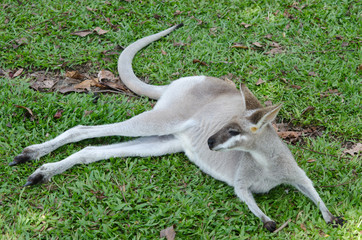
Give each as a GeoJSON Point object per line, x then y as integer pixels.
{"type": "Point", "coordinates": [243, 132]}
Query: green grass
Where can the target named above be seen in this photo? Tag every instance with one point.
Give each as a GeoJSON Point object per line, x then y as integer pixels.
{"type": "Point", "coordinates": [88, 201]}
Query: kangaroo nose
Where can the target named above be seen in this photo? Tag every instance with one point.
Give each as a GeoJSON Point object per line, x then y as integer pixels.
{"type": "Point", "coordinates": [211, 143]}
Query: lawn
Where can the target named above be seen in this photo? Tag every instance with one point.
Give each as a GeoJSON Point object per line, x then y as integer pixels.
{"type": "Point", "coordinates": [305, 54]}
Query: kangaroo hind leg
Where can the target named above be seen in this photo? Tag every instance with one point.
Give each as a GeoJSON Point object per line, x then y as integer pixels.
{"type": "Point", "coordinates": [150, 123]}
{"type": "Point", "coordinates": [145, 146]}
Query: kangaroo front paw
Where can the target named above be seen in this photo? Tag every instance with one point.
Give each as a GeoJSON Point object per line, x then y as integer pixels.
{"type": "Point", "coordinates": [270, 226]}
{"type": "Point", "coordinates": [337, 221]}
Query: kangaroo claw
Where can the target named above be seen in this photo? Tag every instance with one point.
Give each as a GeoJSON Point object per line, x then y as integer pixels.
{"type": "Point", "coordinates": [36, 179]}
{"type": "Point", "coordinates": [270, 226]}
{"type": "Point", "coordinates": [20, 159]}
{"type": "Point", "coordinates": [338, 221]}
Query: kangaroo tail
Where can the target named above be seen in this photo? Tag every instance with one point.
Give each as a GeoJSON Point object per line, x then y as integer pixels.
{"type": "Point", "coordinates": [125, 66]}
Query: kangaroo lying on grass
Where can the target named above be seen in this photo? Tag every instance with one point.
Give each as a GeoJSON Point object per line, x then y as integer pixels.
{"type": "Point", "coordinates": [224, 131]}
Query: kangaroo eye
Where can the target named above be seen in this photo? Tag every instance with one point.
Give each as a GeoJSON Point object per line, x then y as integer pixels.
{"type": "Point", "coordinates": [234, 132]}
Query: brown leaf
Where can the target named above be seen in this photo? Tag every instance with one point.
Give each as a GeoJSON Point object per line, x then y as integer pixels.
{"type": "Point", "coordinates": [258, 44]}
{"type": "Point", "coordinates": [86, 84]}
{"type": "Point", "coordinates": [260, 81]}
{"type": "Point", "coordinates": [275, 44]}
{"type": "Point", "coordinates": [313, 74]}
{"type": "Point", "coordinates": [163, 52]}
{"type": "Point", "coordinates": [82, 33]}
{"type": "Point", "coordinates": [100, 31]}
{"type": "Point", "coordinates": [40, 85]}
{"type": "Point", "coordinates": [69, 89]}
{"type": "Point", "coordinates": [17, 73]}
{"type": "Point", "coordinates": [296, 86]}
{"type": "Point", "coordinates": [179, 44]}
{"type": "Point", "coordinates": [268, 103]}
{"type": "Point", "coordinates": [169, 233]}
{"type": "Point", "coordinates": [245, 25]}
{"type": "Point", "coordinates": [86, 113]}
{"type": "Point", "coordinates": [359, 68]}
{"type": "Point", "coordinates": [308, 109]}
{"type": "Point", "coordinates": [156, 16]}
{"type": "Point", "coordinates": [289, 134]}
{"type": "Point", "coordinates": [105, 74]}
{"type": "Point", "coordinates": [355, 149]}
{"type": "Point", "coordinates": [311, 160]}
{"type": "Point", "coordinates": [200, 62]}
{"type": "Point", "coordinates": [91, 9]}
{"type": "Point", "coordinates": [178, 12]}
{"type": "Point", "coordinates": [303, 227]}
{"type": "Point", "coordinates": [239, 45]}
{"type": "Point", "coordinates": [28, 110]}
{"type": "Point", "coordinates": [74, 75]}
{"type": "Point", "coordinates": [268, 36]}
{"type": "Point", "coordinates": [22, 41]}
{"type": "Point", "coordinates": [274, 51]}
{"type": "Point", "coordinates": [58, 114]}
{"type": "Point", "coordinates": [345, 44]}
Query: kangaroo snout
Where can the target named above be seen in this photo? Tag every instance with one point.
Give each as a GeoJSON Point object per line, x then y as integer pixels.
{"type": "Point", "coordinates": [211, 143]}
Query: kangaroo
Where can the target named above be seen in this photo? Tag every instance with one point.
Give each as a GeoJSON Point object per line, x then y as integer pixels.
{"type": "Point", "coordinates": [227, 133]}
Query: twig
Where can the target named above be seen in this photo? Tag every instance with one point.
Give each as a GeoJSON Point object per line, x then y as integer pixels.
{"type": "Point", "coordinates": [283, 226]}
{"type": "Point", "coordinates": [326, 154]}
{"type": "Point", "coordinates": [323, 51]}
{"type": "Point", "coordinates": [64, 13]}
{"type": "Point", "coordinates": [341, 184]}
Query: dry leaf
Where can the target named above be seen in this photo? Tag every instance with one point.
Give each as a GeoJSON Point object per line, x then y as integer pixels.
{"type": "Point", "coordinates": [40, 85]}
{"type": "Point", "coordinates": [201, 62]}
{"type": "Point", "coordinates": [169, 233]}
{"type": "Point", "coordinates": [58, 114]}
{"type": "Point", "coordinates": [69, 89]}
{"type": "Point", "coordinates": [268, 36]}
{"type": "Point", "coordinates": [296, 87]}
{"type": "Point", "coordinates": [178, 12]}
{"type": "Point", "coordinates": [274, 51]}
{"type": "Point", "coordinates": [100, 31]}
{"type": "Point", "coordinates": [163, 52]}
{"type": "Point", "coordinates": [74, 75]}
{"type": "Point", "coordinates": [308, 109]}
{"type": "Point", "coordinates": [91, 9]}
{"type": "Point", "coordinates": [245, 25]}
{"type": "Point", "coordinates": [82, 33]}
{"type": "Point", "coordinates": [356, 149]}
{"type": "Point", "coordinates": [258, 44]}
{"type": "Point", "coordinates": [28, 111]}
{"type": "Point", "coordinates": [238, 45]}
{"type": "Point", "coordinates": [289, 134]}
{"type": "Point", "coordinates": [22, 41]}
{"type": "Point", "coordinates": [268, 103]}
{"type": "Point", "coordinates": [179, 44]}
{"type": "Point", "coordinates": [313, 74]}
{"type": "Point", "coordinates": [311, 160]}
{"type": "Point", "coordinates": [260, 81]}
{"type": "Point", "coordinates": [303, 227]}
{"type": "Point", "coordinates": [105, 74]}
{"type": "Point", "coordinates": [17, 73]}
{"type": "Point", "coordinates": [359, 68]}
{"type": "Point", "coordinates": [86, 84]}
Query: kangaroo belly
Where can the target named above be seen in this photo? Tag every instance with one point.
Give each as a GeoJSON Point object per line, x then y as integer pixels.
{"type": "Point", "coordinates": [219, 165]}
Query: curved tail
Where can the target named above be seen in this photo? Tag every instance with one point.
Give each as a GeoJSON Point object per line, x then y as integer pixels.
{"type": "Point", "coordinates": [125, 66]}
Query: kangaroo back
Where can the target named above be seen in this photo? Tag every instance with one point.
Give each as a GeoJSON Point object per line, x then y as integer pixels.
{"type": "Point", "coordinates": [125, 69]}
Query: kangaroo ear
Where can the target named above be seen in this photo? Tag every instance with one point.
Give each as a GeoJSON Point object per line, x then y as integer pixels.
{"type": "Point", "coordinates": [263, 116]}
{"type": "Point", "coordinates": [251, 101]}
{"type": "Point", "coordinates": [243, 97]}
